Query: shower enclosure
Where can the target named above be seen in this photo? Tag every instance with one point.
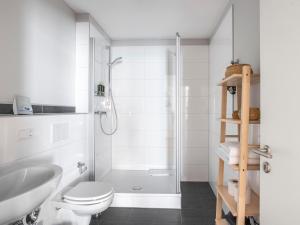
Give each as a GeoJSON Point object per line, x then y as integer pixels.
{"type": "Point", "coordinates": [142, 158]}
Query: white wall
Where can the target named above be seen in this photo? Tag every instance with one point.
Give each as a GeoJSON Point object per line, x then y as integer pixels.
{"type": "Point", "coordinates": [195, 113]}
{"type": "Point", "coordinates": [143, 86]}
{"type": "Point", "coordinates": [37, 57]}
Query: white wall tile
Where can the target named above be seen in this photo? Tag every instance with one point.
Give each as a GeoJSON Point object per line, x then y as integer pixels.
{"type": "Point", "coordinates": [195, 122]}
{"type": "Point", "coordinates": [194, 173]}
{"type": "Point", "coordinates": [195, 156]}
{"type": "Point", "coordinates": [160, 158]}
{"type": "Point", "coordinates": [161, 105]}
{"type": "Point", "coordinates": [195, 138]}
{"type": "Point", "coordinates": [160, 53]}
{"type": "Point", "coordinates": [145, 98]}
{"type": "Point", "coordinates": [128, 88]}
{"type": "Point", "coordinates": [128, 70]}
{"type": "Point", "coordinates": [130, 105]}
{"type": "Point", "coordinates": [195, 52]}
{"type": "Point", "coordinates": [160, 87]}
{"type": "Point", "coordinates": [128, 138]}
{"type": "Point", "coordinates": [159, 69]}
{"type": "Point", "coordinates": [195, 69]}
{"type": "Point", "coordinates": [194, 88]}
{"type": "Point", "coordinates": [132, 158]}
{"type": "Point", "coordinates": [159, 139]}
{"type": "Point", "coordinates": [131, 122]}
{"type": "Point", "coordinates": [195, 105]}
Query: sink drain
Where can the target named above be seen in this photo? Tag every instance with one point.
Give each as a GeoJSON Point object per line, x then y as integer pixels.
{"type": "Point", "coordinates": [136, 188]}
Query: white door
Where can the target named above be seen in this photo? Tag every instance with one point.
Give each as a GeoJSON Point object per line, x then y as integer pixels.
{"type": "Point", "coordinates": [280, 105]}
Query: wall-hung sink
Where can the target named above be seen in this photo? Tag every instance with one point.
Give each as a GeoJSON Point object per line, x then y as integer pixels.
{"type": "Point", "coordinates": [24, 189]}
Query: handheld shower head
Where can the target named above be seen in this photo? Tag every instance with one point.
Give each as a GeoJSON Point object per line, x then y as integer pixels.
{"type": "Point", "coordinates": [117, 60]}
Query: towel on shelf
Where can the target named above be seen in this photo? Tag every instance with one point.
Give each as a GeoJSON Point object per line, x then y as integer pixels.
{"type": "Point", "coordinates": [230, 152]}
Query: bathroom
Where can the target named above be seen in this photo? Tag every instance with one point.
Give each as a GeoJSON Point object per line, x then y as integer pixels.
{"type": "Point", "coordinates": [110, 111]}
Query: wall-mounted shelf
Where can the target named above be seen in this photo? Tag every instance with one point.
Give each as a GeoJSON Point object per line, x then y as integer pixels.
{"type": "Point", "coordinates": [236, 80]}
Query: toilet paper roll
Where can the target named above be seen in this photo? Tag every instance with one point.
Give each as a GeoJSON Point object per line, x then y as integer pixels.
{"type": "Point", "coordinates": [232, 186]}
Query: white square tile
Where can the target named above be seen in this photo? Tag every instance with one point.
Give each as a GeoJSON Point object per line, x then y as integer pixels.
{"type": "Point", "coordinates": [194, 88]}
{"type": "Point", "coordinates": [160, 87]}
{"type": "Point", "coordinates": [195, 156]}
{"type": "Point", "coordinates": [195, 52]}
{"type": "Point", "coordinates": [194, 122]}
{"type": "Point", "coordinates": [128, 88]}
{"type": "Point", "coordinates": [195, 105]}
{"type": "Point", "coordinates": [130, 105]}
{"type": "Point", "coordinates": [195, 70]}
{"type": "Point", "coordinates": [195, 138]}
{"type": "Point", "coordinates": [128, 70]}
{"type": "Point", "coordinates": [159, 105]}
{"type": "Point", "coordinates": [195, 173]}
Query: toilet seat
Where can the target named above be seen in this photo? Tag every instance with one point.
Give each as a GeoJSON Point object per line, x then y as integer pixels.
{"type": "Point", "coordinates": [85, 193]}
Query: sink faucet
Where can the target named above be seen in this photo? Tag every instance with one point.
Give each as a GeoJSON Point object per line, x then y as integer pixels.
{"type": "Point", "coordinates": [82, 167]}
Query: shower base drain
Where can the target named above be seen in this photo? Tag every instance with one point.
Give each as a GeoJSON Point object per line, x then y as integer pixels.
{"type": "Point", "coordinates": [136, 188]}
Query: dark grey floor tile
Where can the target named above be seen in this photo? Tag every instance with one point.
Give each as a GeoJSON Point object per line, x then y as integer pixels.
{"type": "Point", "coordinates": [168, 216]}
{"type": "Point", "coordinates": [197, 213]}
{"type": "Point", "coordinates": [203, 189]}
{"type": "Point", "coordinates": [168, 223]}
{"type": "Point", "coordinates": [197, 202]}
{"type": "Point", "coordinates": [143, 215]}
{"type": "Point", "coordinates": [114, 214]}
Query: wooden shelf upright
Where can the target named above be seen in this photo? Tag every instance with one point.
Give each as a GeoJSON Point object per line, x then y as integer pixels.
{"type": "Point", "coordinates": [240, 209]}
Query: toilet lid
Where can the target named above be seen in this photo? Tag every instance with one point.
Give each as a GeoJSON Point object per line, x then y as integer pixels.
{"type": "Point", "coordinates": [86, 191]}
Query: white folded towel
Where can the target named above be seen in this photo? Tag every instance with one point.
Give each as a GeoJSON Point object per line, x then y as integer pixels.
{"type": "Point", "coordinates": [230, 152]}
{"type": "Point", "coordinates": [233, 150]}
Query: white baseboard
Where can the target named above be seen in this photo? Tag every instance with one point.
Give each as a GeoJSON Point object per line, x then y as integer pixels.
{"type": "Point", "coordinates": [143, 200]}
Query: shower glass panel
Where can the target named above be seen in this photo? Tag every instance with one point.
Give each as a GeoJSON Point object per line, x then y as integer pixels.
{"type": "Point", "coordinates": [145, 150]}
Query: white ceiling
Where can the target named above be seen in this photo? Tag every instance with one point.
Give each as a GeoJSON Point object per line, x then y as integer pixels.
{"type": "Point", "coordinates": [153, 19]}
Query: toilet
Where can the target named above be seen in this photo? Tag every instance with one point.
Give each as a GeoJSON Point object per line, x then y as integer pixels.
{"type": "Point", "coordinates": [77, 204]}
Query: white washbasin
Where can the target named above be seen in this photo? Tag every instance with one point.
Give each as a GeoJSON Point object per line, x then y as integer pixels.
{"type": "Point", "coordinates": [23, 189]}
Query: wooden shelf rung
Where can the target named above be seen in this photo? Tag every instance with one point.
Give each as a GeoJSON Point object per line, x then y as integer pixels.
{"type": "Point", "coordinates": [222, 222]}
{"type": "Point", "coordinates": [232, 80]}
{"type": "Point", "coordinates": [229, 120]}
{"type": "Point", "coordinates": [235, 121]}
{"type": "Point", "coordinates": [249, 167]}
{"type": "Point", "coordinates": [232, 136]}
{"type": "Point", "coordinates": [236, 80]}
{"type": "Point", "coordinates": [252, 209]}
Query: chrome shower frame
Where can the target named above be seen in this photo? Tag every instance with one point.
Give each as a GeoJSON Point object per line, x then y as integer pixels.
{"type": "Point", "coordinates": [178, 112]}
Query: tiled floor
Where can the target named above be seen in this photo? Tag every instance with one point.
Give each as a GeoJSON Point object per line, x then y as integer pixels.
{"type": "Point", "coordinates": [198, 208]}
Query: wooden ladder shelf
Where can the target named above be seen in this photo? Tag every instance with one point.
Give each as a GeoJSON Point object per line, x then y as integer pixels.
{"type": "Point", "coordinates": [239, 209]}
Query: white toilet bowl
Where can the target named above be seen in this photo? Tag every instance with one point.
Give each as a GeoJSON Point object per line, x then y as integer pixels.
{"type": "Point", "coordinates": [84, 200]}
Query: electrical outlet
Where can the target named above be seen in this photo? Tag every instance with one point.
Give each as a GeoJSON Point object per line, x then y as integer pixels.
{"type": "Point", "coordinates": [25, 133]}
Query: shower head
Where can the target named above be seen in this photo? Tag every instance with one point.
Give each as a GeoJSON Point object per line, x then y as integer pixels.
{"type": "Point", "coordinates": [117, 60]}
